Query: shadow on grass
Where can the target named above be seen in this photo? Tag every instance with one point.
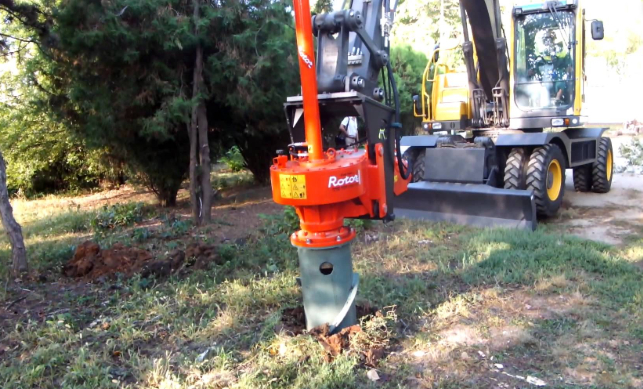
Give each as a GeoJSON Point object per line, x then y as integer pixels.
{"type": "Point", "coordinates": [427, 271]}
{"type": "Point", "coordinates": [482, 260]}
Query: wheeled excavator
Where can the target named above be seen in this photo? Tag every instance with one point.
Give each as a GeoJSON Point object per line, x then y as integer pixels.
{"type": "Point", "coordinates": [499, 137]}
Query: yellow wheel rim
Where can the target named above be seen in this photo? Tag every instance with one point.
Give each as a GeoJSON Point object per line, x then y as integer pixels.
{"type": "Point", "coordinates": [554, 180]}
{"type": "Point", "coordinates": [609, 165]}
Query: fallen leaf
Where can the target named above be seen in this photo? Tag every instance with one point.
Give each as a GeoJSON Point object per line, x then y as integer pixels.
{"type": "Point", "coordinates": [202, 356]}
{"type": "Point", "coordinates": [372, 375]}
{"type": "Point", "coordinates": [536, 381]}
{"type": "Point", "coordinates": [373, 355]}
{"type": "Point", "coordinates": [419, 354]}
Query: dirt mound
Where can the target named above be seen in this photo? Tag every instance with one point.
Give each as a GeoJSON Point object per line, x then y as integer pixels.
{"type": "Point", "coordinates": [336, 343]}
{"type": "Point", "coordinates": [201, 255]}
{"type": "Point", "coordinates": [90, 262]}
{"type": "Point", "coordinates": [352, 340]}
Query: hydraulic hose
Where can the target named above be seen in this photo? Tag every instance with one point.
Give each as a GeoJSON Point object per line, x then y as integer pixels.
{"type": "Point", "coordinates": [405, 171]}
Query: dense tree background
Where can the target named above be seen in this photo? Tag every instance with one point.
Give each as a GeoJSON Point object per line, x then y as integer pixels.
{"type": "Point", "coordinates": [115, 78]}
{"type": "Point", "coordinates": [98, 92]}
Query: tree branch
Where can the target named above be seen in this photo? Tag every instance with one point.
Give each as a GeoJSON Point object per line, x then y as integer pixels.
{"type": "Point", "coordinates": [39, 86]}
{"type": "Point", "coordinates": [20, 48]}
{"type": "Point", "coordinates": [14, 14]}
{"type": "Point", "coordinates": [18, 39]}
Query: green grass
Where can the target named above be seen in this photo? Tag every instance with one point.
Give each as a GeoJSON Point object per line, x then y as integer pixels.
{"type": "Point", "coordinates": [49, 241]}
{"type": "Point", "coordinates": [561, 309]}
{"type": "Point", "coordinates": [226, 179]}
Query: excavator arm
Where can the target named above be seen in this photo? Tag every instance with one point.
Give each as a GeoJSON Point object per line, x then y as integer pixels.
{"type": "Point", "coordinates": [487, 75]}
{"type": "Point", "coordinates": [489, 80]}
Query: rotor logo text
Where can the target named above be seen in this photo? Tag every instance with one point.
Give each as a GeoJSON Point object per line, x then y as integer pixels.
{"type": "Point", "coordinates": [305, 58]}
{"type": "Point", "coordinates": [334, 182]}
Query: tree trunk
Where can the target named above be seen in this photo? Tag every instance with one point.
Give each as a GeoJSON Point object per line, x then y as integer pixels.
{"type": "Point", "coordinates": [204, 149]}
{"type": "Point", "coordinates": [167, 198]}
{"type": "Point", "coordinates": [11, 226]}
{"type": "Point", "coordinates": [194, 187]}
{"type": "Point", "coordinates": [194, 123]}
{"type": "Point", "coordinates": [200, 125]}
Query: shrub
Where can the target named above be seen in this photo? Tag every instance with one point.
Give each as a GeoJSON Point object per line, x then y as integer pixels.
{"type": "Point", "coordinates": [233, 159]}
{"type": "Point", "coordinates": [285, 223]}
{"type": "Point", "coordinates": [360, 225]}
{"type": "Point", "coordinates": [117, 215]}
{"type": "Point", "coordinates": [633, 152]}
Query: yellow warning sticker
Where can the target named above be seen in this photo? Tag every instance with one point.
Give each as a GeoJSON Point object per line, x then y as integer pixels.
{"type": "Point", "coordinates": [293, 186]}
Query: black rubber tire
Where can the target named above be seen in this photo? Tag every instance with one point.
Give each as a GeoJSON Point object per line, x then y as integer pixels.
{"type": "Point", "coordinates": [418, 158]}
{"type": "Point", "coordinates": [583, 178]}
{"type": "Point", "coordinates": [601, 177]}
{"type": "Point", "coordinates": [537, 177]}
{"type": "Point", "coordinates": [516, 169]}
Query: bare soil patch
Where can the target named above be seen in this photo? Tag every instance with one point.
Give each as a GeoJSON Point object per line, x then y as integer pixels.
{"type": "Point", "coordinates": [608, 218]}
{"type": "Point", "coordinates": [90, 263]}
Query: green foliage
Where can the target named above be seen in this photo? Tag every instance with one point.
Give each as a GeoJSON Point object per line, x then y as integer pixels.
{"type": "Point", "coordinates": [224, 180]}
{"type": "Point", "coordinates": [322, 6]}
{"type": "Point", "coordinates": [360, 225]}
{"type": "Point", "coordinates": [141, 234]}
{"type": "Point", "coordinates": [42, 154]}
{"type": "Point", "coordinates": [233, 159]}
{"type": "Point", "coordinates": [253, 74]}
{"type": "Point", "coordinates": [617, 48]}
{"type": "Point", "coordinates": [175, 226]}
{"type": "Point", "coordinates": [119, 76]}
{"type": "Point", "coordinates": [633, 151]}
{"type": "Point", "coordinates": [180, 227]}
{"type": "Point", "coordinates": [417, 24]}
{"type": "Point", "coordinates": [285, 223]}
{"type": "Point", "coordinates": [408, 66]}
{"type": "Point", "coordinates": [117, 215]}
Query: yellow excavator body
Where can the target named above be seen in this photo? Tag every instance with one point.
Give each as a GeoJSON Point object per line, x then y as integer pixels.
{"type": "Point", "coordinates": [484, 156]}
{"type": "Point", "coordinates": [444, 90]}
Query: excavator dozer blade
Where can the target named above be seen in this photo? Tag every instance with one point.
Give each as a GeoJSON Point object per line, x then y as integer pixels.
{"type": "Point", "coordinates": [477, 205]}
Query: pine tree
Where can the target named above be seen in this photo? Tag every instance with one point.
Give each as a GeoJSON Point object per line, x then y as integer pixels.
{"type": "Point", "coordinates": [120, 75]}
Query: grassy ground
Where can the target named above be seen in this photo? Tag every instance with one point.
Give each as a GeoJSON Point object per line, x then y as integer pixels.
{"type": "Point", "coordinates": [462, 308]}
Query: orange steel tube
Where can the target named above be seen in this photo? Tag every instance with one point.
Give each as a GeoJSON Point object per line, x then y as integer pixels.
{"type": "Point", "coordinates": [306, 51]}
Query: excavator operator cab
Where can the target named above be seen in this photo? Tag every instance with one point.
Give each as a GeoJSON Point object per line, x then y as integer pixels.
{"type": "Point", "coordinates": [548, 73]}
{"type": "Point", "coordinates": [544, 60]}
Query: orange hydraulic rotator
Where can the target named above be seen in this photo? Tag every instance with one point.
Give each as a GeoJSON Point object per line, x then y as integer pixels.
{"type": "Point", "coordinates": [326, 186]}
